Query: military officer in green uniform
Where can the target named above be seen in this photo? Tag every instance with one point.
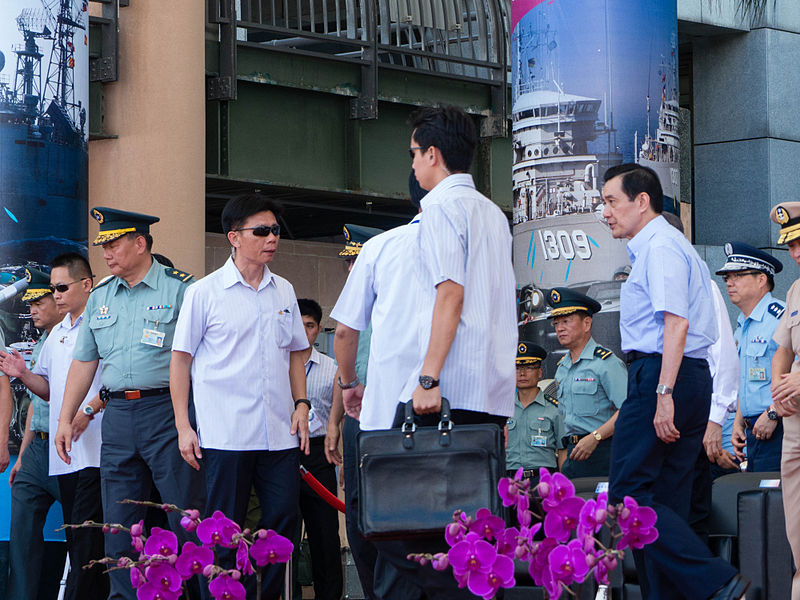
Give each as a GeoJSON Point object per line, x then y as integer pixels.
{"type": "Point", "coordinates": [129, 324]}
{"type": "Point", "coordinates": [536, 431]}
{"type": "Point", "coordinates": [592, 385]}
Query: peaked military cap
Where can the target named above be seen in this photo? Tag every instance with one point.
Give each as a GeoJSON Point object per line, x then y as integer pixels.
{"type": "Point", "coordinates": [566, 301]}
{"type": "Point", "coordinates": [38, 284]}
{"type": "Point", "coordinates": [787, 215]}
{"type": "Point", "coordinates": [529, 353]}
{"type": "Point", "coordinates": [115, 223]}
{"type": "Point", "coordinates": [744, 257]}
{"type": "Point", "coordinates": [356, 236]}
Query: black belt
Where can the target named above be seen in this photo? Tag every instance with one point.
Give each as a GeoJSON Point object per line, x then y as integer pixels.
{"type": "Point", "coordinates": [106, 395]}
{"type": "Point", "coordinates": [573, 439]}
{"type": "Point", "coordinates": [41, 434]}
{"type": "Point", "coordinates": [318, 440]}
{"type": "Point", "coordinates": [529, 474]}
{"type": "Point", "coordinates": [635, 355]}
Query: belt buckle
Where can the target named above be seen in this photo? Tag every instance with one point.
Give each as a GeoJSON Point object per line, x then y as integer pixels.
{"type": "Point", "coordinates": [132, 394]}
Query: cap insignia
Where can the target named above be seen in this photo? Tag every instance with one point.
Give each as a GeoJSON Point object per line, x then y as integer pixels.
{"type": "Point", "coordinates": [522, 349]}
{"type": "Point", "coordinates": [555, 296]}
{"type": "Point", "coordinates": [346, 234]}
{"type": "Point", "coordinates": [728, 249]}
{"type": "Point", "coordinates": [98, 216]}
{"type": "Point", "coordinates": [781, 215]}
{"type": "Point", "coordinates": [28, 275]}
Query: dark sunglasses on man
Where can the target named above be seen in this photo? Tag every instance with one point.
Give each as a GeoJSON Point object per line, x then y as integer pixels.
{"type": "Point", "coordinates": [263, 230]}
{"type": "Point", "coordinates": [63, 287]}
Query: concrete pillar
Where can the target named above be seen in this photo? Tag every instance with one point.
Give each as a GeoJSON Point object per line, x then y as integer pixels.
{"type": "Point", "coordinates": [157, 109]}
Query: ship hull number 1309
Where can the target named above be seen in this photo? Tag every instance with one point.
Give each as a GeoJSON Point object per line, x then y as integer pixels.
{"type": "Point", "coordinates": [561, 244]}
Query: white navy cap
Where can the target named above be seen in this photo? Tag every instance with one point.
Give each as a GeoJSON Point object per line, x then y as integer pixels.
{"type": "Point", "coordinates": [744, 257]}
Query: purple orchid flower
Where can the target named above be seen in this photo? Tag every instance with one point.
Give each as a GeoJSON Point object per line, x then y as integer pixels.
{"type": "Point", "coordinates": [193, 560]}
{"type": "Point", "coordinates": [507, 542]}
{"type": "Point", "coordinates": [151, 592]}
{"type": "Point", "coordinates": [568, 563]}
{"type": "Point", "coordinates": [456, 530]}
{"type": "Point", "coordinates": [487, 525]}
{"type": "Point", "coordinates": [472, 554]}
{"type": "Point", "coordinates": [137, 578]}
{"type": "Point", "coordinates": [558, 488]}
{"type": "Point", "coordinates": [225, 587]}
{"type": "Point", "coordinates": [243, 559]}
{"type": "Point", "coordinates": [637, 524]}
{"type": "Point", "coordinates": [500, 574]}
{"type": "Point", "coordinates": [161, 542]}
{"type": "Point", "coordinates": [440, 561]}
{"type": "Point", "coordinates": [560, 521]}
{"type": "Point", "coordinates": [538, 563]}
{"type": "Point", "coordinates": [164, 577]}
{"type": "Point", "coordinates": [271, 548]}
{"type": "Point", "coordinates": [218, 529]}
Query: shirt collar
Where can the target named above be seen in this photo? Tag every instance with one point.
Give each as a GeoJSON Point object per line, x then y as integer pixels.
{"type": "Point", "coordinates": [314, 356]}
{"type": "Point", "coordinates": [231, 276]}
{"type": "Point", "coordinates": [539, 398]}
{"type": "Point", "coordinates": [586, 353]}
{"type": "Point", "coordinates": [437, 194]}
{"type": "Point", "coordinates": [154, 273]}
{"type": "Point", "coordinates": [640, 240]}
{"type": "Point", "coordinates": [757, 314]}
{"type": "Point", "coordinates": [66, 322]}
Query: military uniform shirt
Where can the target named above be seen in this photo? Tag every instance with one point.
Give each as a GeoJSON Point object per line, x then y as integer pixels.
{"type": "Point", "coordinates": [114, 325]}
{"type": "Point", "coordinates": [592, 389]}
{"type": "Point", "coordinates": [535, 433]}
{"type": "Point", "coordinates": [41, 409]}
{"type": "Point", "coordinates": [787, 334]}
{"type": "Point", "coordinates": [756, 348]}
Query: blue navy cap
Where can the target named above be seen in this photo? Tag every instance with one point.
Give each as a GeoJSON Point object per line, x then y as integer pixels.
{"type": "Point", "coordinates": [744, 257]}
{"type": "Point", "coordinates": [529, 353]}
{"type": "Point", "coordinates": [566, 301]}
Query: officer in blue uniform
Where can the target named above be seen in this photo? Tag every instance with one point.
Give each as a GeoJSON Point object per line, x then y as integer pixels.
{"type": "Point", "coordinates": [129, 323]}
{"type": "Point", "coordinates": [749, 277]}
{"type": "Point", "coordinates": [536, 431]}
{"type": "Point", "coordinates": [592, 385]}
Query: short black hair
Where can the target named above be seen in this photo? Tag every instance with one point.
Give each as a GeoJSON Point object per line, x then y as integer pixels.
{"type": "Point", "coordinates": [448, 128]}
{"type": "Point", "coordinates": [310, 308]}
{"type": "Point", "coordinates": [148, 239]}
{"type": "Point", "coordinates": [77, 266]}
{"type": "Point", "coordinates": [637, 179]}
{"type": "Point", "coordinates": [770, 281]}
{"type": "Point", "coordinates": [240, 208]}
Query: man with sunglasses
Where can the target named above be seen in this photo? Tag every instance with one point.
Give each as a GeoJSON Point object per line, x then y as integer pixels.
{"type": "Point", "coordinates": [129, 322]}
{"type": "Point", "coordinates": [749, 277]}
{"type": "Point", "coordinates": [239, 342]}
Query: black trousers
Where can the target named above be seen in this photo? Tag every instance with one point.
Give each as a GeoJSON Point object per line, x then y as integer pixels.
{"type": "Point", "coordinates": [81, 501]}
{"type": "Point", "coordinates": [322, 524]}
{"type": "Point", "coordinates": [431, 584]}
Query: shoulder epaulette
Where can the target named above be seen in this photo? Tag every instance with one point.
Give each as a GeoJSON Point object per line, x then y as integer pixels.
{"type": "Point", "coordinates": [775, 309]}
{"type": "Point", "coordinates": [563, 358]}
{"type": "Point", "coordinates": [551, 393]}
{"type": "Point", "coordinates": [102, 282]}
{"type": "Point", "coordinates": [181, 275]}
{"type": "Point", "coordinates": [551, 399]}
{"type": "Point", "coordinates": [602, 353]}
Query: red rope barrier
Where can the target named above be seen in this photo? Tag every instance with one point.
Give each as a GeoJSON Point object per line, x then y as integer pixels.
{"type": "Point", "coordinates": [323, 492]}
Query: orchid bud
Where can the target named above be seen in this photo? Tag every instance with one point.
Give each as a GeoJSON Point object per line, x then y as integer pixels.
{"type": "Point", "coordinates": [261, 533]}
{"type": "Point", "coordinates": [106, 528]}
{"type": "Point", "coordinates": [236, 575]}
{"type": "Point", "coordinates": [612, 510]}
{"type": "Point", "coordinates": [208, 570]}
{"type": "Point", "coordinates": [423, 560]}
{"type": "Point", "coordinates": [543, 489]}
{"type": "Point", "coordinates": [625, 513]}
{"type": "Point", "coordinates": [172, 559]}
{"type": "Point", "coordinates": [591, 560]}
{"type": "Point", "coordinates": [136, 530]}
{"type": "Point", "coordinates": [113, 530]}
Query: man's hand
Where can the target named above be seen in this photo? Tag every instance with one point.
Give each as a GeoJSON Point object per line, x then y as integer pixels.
{"type": "Point", "coordinates": [427, 401]}
{"type": "Point", "coordinates": [63, 441]}
{"type": "Point", "coordinates": [189, 446]}
{"type": "Point", "coordinates": [12, 364]}
{"type": "Point", "coordinates": [584, 448]}
{"type": "Point", "coordinates": [726, 460]}
{"type": "Point", "coordinates": [763, 427]}
{"type": "Point", "coordinates": [332, 453]}
{"type": "Point", "coordinates": [785, 389]}
{"type": "Point", "coordinates": [664, 419]}
{"type": "Point", "coordinates": [352, 400]}
{"type": "Point", "coordinates": [738, 438]}
{"type": "Point", "coordinates": [14, 470]}
{"type": "Point", "coordinates": [79, 424]}
{"type": "Point", "coordinates": [300, 427]}
{"type": "Point", "coordinates": [5, 457]}
{"type": "Point", "coordinates": [712, 441]}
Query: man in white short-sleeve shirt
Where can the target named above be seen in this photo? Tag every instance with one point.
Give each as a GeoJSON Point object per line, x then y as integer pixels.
{"type": "Point", "coordinates": [238, 341]}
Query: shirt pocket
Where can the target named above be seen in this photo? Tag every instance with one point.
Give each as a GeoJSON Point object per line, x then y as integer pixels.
{"type": "Point", "coordinates": [756, 349]}
{"type": "Point", "coordinates": [103, 333]}
{"type": "Point", "coordinates": [511, 424]}
{"type": "Point", "coordinates": [584, 394]}
{"type": "Point", "coordinates": [283, 327]}
{"type": "Point", "coordinates": [163, 320]}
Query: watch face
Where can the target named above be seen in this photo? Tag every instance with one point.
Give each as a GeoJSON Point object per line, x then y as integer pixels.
{"type": "Point", "coordinates": [426, 382]}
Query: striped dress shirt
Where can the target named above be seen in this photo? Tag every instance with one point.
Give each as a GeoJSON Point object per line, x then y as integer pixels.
{"type": "Point", "coordinates": [320, 376]}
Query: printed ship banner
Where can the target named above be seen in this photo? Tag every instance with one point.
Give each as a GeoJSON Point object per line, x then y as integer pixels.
{"type": "Point", "coordinates": [594, 84]}
{"type": "Point", "coordinates": [44, 101]}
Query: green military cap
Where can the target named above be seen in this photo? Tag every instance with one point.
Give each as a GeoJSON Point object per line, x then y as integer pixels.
{"type": "Point", "coordinates": [356, 236]}
{"type": "Point", "coordinates": [115, 223]}
{"type": "Point", "coordinates": [529, 353]}
{"type": "Point", "coordinates": [38, 285]}
{"type": "Point", "coordinates": [566, 301]}
{"type": "Point", "coordinates": [787, 215]}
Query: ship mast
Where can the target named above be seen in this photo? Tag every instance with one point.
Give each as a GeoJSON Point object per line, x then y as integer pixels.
{"type": "Point", "coordinates": [60, 81]}
{"type": "Point", "coordinates": [28, 77]}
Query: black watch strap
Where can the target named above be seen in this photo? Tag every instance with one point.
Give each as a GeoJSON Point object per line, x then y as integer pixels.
{"type": "Point", "coordinates": [300, 401]}
{"type": "Point", "coordinates": [427, 382]}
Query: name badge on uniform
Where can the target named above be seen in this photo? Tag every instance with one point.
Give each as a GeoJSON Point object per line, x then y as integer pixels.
{"type": "Point", "coordinates": [757, 373]}
{"type": "Point", "coordinates": [538, 441]}
{"type": "Point", "coordinates": [153, 337]}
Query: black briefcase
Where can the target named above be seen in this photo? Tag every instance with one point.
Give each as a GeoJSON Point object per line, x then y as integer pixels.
{"type": "Point", "coordinates": [412, 479]}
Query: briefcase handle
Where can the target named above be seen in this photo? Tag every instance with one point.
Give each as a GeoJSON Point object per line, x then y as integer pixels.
{"type": "Point", "coordinates": [409, 427]}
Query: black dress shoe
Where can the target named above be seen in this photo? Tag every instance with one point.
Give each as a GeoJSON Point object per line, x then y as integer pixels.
{"type": "Point", "coordinates": [733, 590]}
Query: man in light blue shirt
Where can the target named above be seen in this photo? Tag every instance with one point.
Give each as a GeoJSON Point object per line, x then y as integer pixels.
{"type": "Point", "coordinates": [667, 324]}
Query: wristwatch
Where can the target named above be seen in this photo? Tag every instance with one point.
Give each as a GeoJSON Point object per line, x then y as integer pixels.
{"type": "Point", "coordinates": [426, 382]}
{"type": "Point", "coordinates": [663, 389]}
{"type": "Point", "coordinates": [597, 435]}
{"type": "Point", "coordinates": [88, 411]}
{"type": "Point", "coordinates": [347, 386]}
{"type": "Point", "coordinates": [772, 414]}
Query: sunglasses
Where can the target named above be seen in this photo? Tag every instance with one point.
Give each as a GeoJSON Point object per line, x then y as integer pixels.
{"type": "Point", "coordinates": [263, 230]}
{"type": "Point", "coordinates": [63, 287]}
{"type": "Point", "coordinates": [413, 149]}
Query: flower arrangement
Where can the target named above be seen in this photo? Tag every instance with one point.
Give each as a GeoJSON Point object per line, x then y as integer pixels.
{"type": "Point", "coordinates": [483, 549]}
{"type": "Point", "coordinates": [161, 569]}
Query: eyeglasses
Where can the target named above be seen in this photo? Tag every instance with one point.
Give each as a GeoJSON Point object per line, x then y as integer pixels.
{"type": "Point", "coordinates": [737, 274]}
{"type": "Point", "coordinates": [531, 367]}
{"type": "Point", "coordinates": [413, 149]}
{"type": "Point", "coordinates": [63, 287]}
{"type": "Point", "coordinates": [263, 230]}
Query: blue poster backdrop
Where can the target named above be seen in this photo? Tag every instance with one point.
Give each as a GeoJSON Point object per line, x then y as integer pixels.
{"type": "Point", "coordinates": [594, 84]}
{"type": "Point", "coordinates": [44, 101]}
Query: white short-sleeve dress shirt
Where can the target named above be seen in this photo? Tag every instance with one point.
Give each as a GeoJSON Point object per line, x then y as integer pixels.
{"type": "Point", "coordinates": [320, 378]}
{"type": "Point", "coordinates": [723, 362]}
{"type": "Point", "coordinates": [240, 339]}
{"type": "Point", "coordinates": [53, 364]}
